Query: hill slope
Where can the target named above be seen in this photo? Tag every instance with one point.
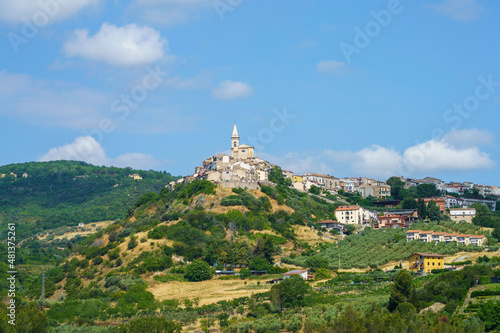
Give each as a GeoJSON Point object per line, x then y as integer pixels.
{"type": "Point", "coordinates": [45, 195]}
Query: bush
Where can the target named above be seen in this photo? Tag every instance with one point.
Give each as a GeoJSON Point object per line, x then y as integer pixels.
{"type": "Point", "coordinates": [198, 271]}
{"type": "Point", "coordinates": [484, 280]}
{"type": "Point", "coordinates": [150, 324]}
{"type": "Point", "coordinates": [245, 273]}
{"type": "Point", "coordinates": [485, 293]}
{"type": "Point", "coordinates": [133, 243]}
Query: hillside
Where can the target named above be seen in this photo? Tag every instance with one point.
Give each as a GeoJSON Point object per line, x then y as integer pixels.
{"type": "Point", "coordinates": [47, 195]}
{"type": "Point", "coordinates": [142, 263]}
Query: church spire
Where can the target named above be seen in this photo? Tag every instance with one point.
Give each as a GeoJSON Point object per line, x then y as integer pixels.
{"type": "Point", "coordinates": [235, 132]}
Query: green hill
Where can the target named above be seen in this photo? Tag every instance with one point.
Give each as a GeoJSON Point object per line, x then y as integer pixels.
{"type": "Point", "coordinates": [46, 195]}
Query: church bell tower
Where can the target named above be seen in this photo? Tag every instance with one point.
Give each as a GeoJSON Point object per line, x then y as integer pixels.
{"type": "Point", "coordinates": [235, 142]}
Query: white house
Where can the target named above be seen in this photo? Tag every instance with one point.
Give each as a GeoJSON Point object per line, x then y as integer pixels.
{"type": "Point", "coordinates": [300, 272]}
{"type": "Point", "coordinates": [462, 214]}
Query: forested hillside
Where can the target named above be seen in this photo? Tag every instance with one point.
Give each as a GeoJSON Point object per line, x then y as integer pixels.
{"type": "Point", "coordinates": [46, 195]}
{"type": "Point", "coordinates": [156, 265]}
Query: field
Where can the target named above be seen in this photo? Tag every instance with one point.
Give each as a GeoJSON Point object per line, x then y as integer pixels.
{"type": "Point", "coordinates": [87, 230]}
{"type": "Point", "coordinates": [207, 292]}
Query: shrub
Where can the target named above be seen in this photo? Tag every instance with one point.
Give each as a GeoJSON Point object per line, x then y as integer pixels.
{"type": "Point", "coordinates": [133, 243]}
{"type": "Point", "coordinates": [198, 271]}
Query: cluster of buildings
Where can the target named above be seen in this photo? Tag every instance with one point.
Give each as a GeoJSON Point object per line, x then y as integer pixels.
{"type": "Point", "coordinates": [364, 186]}
{"type": "Point", "coordinates": [362, 217]}
{"type": "Point", "coordinates": [443, 237]}
{"type": "Point", "coordinates": [454, 187]}
{"type": "Point", "coordinates": [402, 218]}
{"type": "Point", "coordinates": [240, 169]}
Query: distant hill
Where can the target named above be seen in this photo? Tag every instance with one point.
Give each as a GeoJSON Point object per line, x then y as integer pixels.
{"type": "Point", "coordinates": [45, 195]}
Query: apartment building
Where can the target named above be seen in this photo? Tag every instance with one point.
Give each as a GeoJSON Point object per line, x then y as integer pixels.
{"type": "Point", "coordinates": [438, 237]}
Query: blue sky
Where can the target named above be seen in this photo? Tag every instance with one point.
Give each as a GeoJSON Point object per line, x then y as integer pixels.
{"type": "Point", "coordinates": [348, 88]}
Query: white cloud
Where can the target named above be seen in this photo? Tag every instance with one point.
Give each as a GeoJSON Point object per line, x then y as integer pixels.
{"type": "Point", "coordinates": [376, 160]}
{"type": "Point", "coordinates": [441, 156]}
{"type": "Point", "coordinates": [330, 66]}
{"type": "Point", "coordinates": [227, 90]}
{"type": "Point", "coordinates": [460, 10]}
{"type": "Point", "coordinates": [130, 45]}
{"type": "Point", "coordinates": [84, 148]}
{"type": "Point", "coordinates": [41, 11]}
{"type": "Point", "coordinates": [458, 150]}
{"type": "Point", "coordinates": [469, 138]}
{"type": "Point", "coordinates": [87, 149]}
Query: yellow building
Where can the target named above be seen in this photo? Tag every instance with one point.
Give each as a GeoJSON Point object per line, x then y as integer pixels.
{"type": "Point", "coordinates": [297, 179]}
{"type": "Point", "coordinates": [425, 262]}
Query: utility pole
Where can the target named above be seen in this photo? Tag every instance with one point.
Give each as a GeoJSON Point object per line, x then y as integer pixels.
{"type": "Point", "coordinates": [43, 290]}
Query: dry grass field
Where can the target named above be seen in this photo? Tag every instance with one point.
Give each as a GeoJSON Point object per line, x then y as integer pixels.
{"type": "Point", "coordinates": [208, 292]}
{"type": "Point", "coordinates": [89, 229]}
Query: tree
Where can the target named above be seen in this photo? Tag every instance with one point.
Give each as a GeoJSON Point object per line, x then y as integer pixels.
{"type": "Point", "coordinates": [322, 274]}
{"type": "Point", "coordinates": [397, 187]}
{"type": "Point", "coordinates": [290, 292]}
{"type": "Point", "coordinates": [409, 203]}
{"type": "Point", "coordinates": [198, 271]}
{"type": "Point", "coordinates": [349, 229]}
{"type": "Point", "coordinates": [265, 248]}
{"type": "Point", "coordinates": [150, 324]}
{"type": "Point", "coordinates": [489, 313]}
{"type": "Point", "coordinates": [472, 193]}
{"type": "Point", "coordinates": [422, 209]}
{"type": "Point", "coordinates": [433, 212]}
{"type": "Point", "coordinates": [496, 234]}
{"type": "Point", "coordinates": [402, 291]}
{"type": "Point", "coordinates": [276, 176]}
{"type": "Point", "coordinates": [484, 217]}
{"type": "Point", "coordinates": [294, 324]}
{"type": "Point", "coordinates": [427, 191]}
{"type": "Point", "coordinates": [260, 264]}
{"type": "Point", "coordinates": [315, 190]}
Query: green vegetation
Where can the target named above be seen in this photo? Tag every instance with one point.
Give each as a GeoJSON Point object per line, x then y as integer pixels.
{"type": "Point", "coordinates": [378, 247]}
{"type": "Point", "coordinates": [198, 271]}
{"type": "Point", "coordinates": [103, 278]}
{"type": "Point", "coordinates": [64, 193]}
{"type": "Point", "coordinates": [402, 291]}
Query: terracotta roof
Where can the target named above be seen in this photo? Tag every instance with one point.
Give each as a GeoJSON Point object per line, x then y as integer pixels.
{"type": "Point", "coordinates": [427, 232]}
{"type": "Point", "coordinates": [297, 271]}
{"type": "Point", "coordinates": [355, 207]}
{"type": "Point", "coordinates": [439, 233]}
{"type": "Point", "coordinates": [413, 231]}
{"type": "Point", "coordinates": [454, 234]}
{"type": "Point", "coordinates": [428, 254]}
{"type": "Point", "coordinates": [478, 236]}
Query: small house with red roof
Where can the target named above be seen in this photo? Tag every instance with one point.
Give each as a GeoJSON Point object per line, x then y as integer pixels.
{"type": "Point", "coordinates": [300, 272]}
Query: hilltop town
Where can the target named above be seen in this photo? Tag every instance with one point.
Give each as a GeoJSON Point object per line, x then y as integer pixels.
{"type": "Point", "coordinates": [242, 169]}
